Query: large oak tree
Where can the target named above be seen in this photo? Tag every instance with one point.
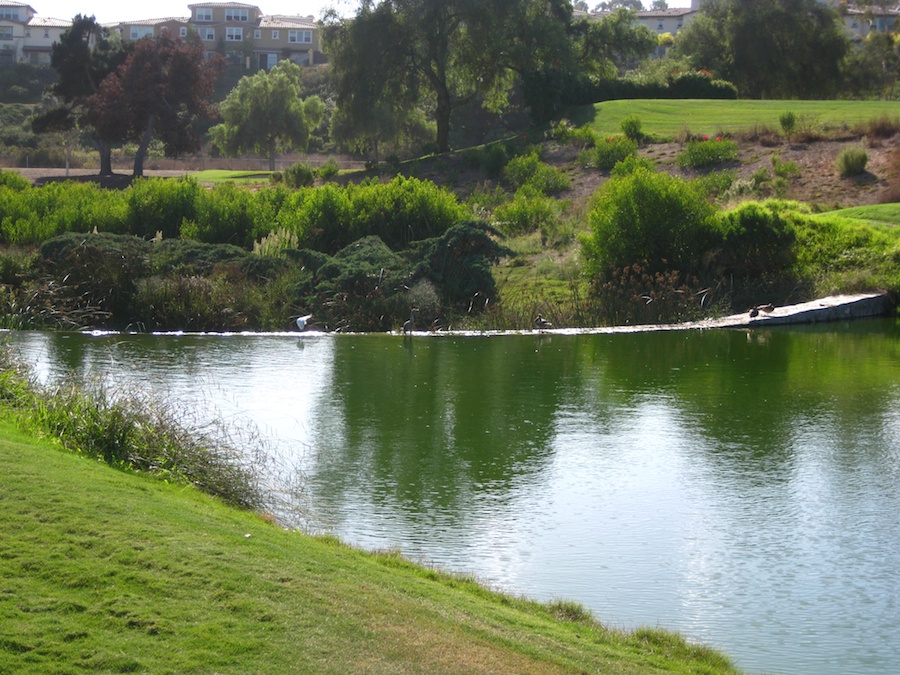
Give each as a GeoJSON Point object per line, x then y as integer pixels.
{"type": "Point", "coordinates": [441, 53]}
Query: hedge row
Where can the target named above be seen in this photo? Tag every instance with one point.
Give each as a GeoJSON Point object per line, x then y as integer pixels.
{"type": "Point", "coordinates": [326, 218]}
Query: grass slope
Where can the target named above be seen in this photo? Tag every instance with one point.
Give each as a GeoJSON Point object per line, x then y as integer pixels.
{"type": "Point", "coordinates": [667, 118]}
{"type": "Point", "coordinates": [105, 571]}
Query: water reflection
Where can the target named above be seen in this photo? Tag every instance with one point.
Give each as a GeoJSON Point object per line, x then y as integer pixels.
{"type": "Point", "coordinates": [743, 487]}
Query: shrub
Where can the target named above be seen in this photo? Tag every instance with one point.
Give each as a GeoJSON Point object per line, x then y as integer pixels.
{"type": "Point", "coordinates": [698, 154]}
{"type": "Point", "coordinates": [329, 169]}
{"type": "Point", "coordinates": [852, 162]}
{"type": "Point", "coordinates": [493, 158]}
{"type": "Point", "coordinates": [157, 205]}
{"type": "Point", "coordinates": [756, 241]}
{"type": "Point", "coordinates": [646, 216]}
{"type": "Point", "coordinates": [528, 211]}
{"type": "Point", "coordinates": [299, 175]}
{"type": "Point", "coordinates": [606, 154]}
{"type": "Point", "coordinates": [631, 127]}
{"type": "Point", "coordinates": [13, 180]}
{"type": "Point", "coordinates": [229, 214]}
{"type": "Point", "coordinates": [630, 164]}
{"type": "Point", "coordinates": [788, 121]}
{"type": "Point", "coordinates": [530, 170]}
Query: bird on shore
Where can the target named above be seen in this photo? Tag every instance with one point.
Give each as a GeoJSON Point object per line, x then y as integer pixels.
{"type": "Point", "coordinates": [541, 323]}
{"type": "Point", "coordinates": [410, 323]}
{"type": "Point", "coordinates": [767, 308]}
{"type": "Point", "coordinates": [301, 321]}
{"type": "Point", "coordinates": [754, 312]}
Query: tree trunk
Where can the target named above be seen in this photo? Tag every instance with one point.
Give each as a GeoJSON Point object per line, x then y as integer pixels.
{"type": "Point", "coordinates": [142, 148]}
{"type": "Point", "coordinates": [442, 119]}
{"type": "Point", "coordinates": [105, 158]}
{"type": "Point", "coordinates": [271, 155]}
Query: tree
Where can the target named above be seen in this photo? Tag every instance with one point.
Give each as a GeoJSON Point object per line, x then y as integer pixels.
{"type": "Point", "coordinates": [161, 89]}
{"type": "Point", "coordinates": [614, 43]}
{"type": "Point", "coordinates": [448, 53]}
{"type": "Point", "coordinates": [265, 114]}
{"type": "Point", "coordinates": [769, 48]}
{"type": "Point", "coordinates": [84, 55]}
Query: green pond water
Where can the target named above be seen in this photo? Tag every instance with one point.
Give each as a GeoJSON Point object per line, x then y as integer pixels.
{"type": "Point", "coordinates": [742, 487]}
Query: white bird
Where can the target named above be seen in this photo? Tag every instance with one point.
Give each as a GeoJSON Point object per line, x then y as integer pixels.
{"type": "Point", "coordinates": [301, 321]}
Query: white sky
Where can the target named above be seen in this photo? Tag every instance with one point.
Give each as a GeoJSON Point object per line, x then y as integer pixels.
{"type": "Point", "coordinates": [113, 11]}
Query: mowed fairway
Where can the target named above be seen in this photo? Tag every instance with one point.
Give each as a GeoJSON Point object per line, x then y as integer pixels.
{"type": "Point", "coordinates": [668, 118]}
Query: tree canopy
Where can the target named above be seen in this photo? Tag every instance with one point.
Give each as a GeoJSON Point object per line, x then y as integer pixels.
{"type": "Point", "coordinates": [265, 114]}
{"type": "Point", "coordinates": [84, 56]}
{"type": "Point", "coordinates": [160, 89]}
{"type": "Point", "coordinates": [768, 48]}
{"type": "Point", "coordinates": [448, 53]}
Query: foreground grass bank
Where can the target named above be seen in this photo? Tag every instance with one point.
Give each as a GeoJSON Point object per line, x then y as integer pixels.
{"type": "Point", "coordinates": [106, 571]}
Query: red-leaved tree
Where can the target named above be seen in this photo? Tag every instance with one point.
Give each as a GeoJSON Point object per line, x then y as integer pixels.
{"type": "Point", "coordinates": [163, 86]}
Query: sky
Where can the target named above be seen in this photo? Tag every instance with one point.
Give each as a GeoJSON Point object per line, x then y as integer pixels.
{"type": "Point", "coordinates": [113, 11]}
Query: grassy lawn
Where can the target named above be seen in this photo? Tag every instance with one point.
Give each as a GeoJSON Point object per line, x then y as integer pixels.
{"type": "Point", "coordinates": [225, 176]}
{"type": "Point", "coordinates": [881, 214]}
{"type": "Point", "coordinates": [106, 571]}
{"type": "Point", "coordinates": [667, 118]}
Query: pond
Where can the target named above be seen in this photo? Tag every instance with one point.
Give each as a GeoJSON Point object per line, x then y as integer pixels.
{"type": "Point", "coordinates": [741, 487]}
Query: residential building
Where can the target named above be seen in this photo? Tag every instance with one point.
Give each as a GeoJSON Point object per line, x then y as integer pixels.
{"type": "Point", "coordinates": [240, 31]}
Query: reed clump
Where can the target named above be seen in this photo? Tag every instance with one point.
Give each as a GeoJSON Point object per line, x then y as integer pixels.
{"type": "Point", "coordinates": [128, 431]}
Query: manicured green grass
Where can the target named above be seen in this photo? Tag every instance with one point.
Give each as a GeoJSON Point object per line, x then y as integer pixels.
{"type": "Point", "coordinates": [884, 214]}
{"type": "Point", "coordinates": [108, 571]}
{"type": "Point", "coordinates": [223, 176]}
{"type": "Point", "coordinates": [668, 118]}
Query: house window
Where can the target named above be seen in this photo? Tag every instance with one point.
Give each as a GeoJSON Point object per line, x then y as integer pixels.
{"type": "Point", "coordinates": [257, 34]}
{"type": "Point", "coordinates": [46, 32]}
{"type": "Point", "coordinates": [659, 26]}
{"type": "Point", "coordinates": [27, 32]}
{"type": "Point", "coordinates": [138, 32]}
{"type": "Point", "coordinates": [6, 33]}
{"type": "Point", "coordinates": [233, 34]}
{"type": "Point", "coordinates": [9, 13]}
{"type": "Point", "coordinates": [274, 34]}
{"type": "Point", "coordinates": [204, 14]}
{"type": "Point", "coordinates": [300, 36]}
{"type": "Point", "coordinates": [236, 15]}
{"type": "Point", "coordinates": [182, 31]}
{"type": "Point", "coordinates": [207, 34]}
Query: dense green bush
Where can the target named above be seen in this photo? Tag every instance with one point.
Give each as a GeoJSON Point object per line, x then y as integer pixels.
{"type": "Point", "coordinates": [529, 210]}
{"type": "Point", "coordinates": [13, 180]}
{"type": "Point", "coordinates": [32, 215]}
{"type": "Point", "coordinates": [402, 211]}
{"type": "Point", "coordinates": [705, 152]}
{"type": "Point", "coordinates": [852, 162]}
{"type": "Point", "coordinates": [158, 205]}
{"type": "Point", "coordinates": [299, 175]}
{"type": "Point", "coordinates": [530, 170]}
{"type": "Point", "coordinates": [631, 127]}
{"type": "Point", "coordinates": [756, 241]}
{"type": "Point", "coordinates": [646, 216]}
{"type": "Point", "coordinates": [604, 155]}
{"type": "Point", "coordinates": [230, 215]}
